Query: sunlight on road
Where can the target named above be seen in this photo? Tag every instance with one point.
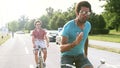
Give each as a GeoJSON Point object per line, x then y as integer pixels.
{"type": "Point", "coordinates": [31, 66]}
{"type": "Point", "coordinates": [26, 50]}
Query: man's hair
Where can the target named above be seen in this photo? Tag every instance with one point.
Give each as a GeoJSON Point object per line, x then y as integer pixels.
{"type": "Point", "coordinates": [82, 4]}
{"type": "Point", "coordinates": [37, 22]}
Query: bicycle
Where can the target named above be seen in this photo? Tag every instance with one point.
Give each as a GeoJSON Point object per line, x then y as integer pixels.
{"type": "Point", "coordinates": [106, 65]}
{"type": "Point", "coordinates": [68, 66]}
{"type": "Point", "coordinates": [40, 58]}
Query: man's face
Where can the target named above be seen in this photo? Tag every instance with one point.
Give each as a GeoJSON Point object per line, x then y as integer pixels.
{"type": "Point", "coordinates": [38, 25]}
{"type": "Point", "coordinates": [83, 14]}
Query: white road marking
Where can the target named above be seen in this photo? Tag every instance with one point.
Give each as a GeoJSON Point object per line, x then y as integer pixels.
{"type": "Point", "coordinates": [31, 66]}
{"type": "Point", "coordinates": [26, 50]}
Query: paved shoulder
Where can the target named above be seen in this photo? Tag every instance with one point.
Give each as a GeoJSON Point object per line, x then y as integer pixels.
{"type": "Point", "coordinates": [105, 44]}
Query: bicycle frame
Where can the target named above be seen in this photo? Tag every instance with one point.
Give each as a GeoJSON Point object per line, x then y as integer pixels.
{"type": "Point", "coordinates": [40, 58]}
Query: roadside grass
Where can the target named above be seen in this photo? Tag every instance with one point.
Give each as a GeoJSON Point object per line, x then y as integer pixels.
{"type": "Point", "coordinates": [115, 50]}
{"type": "Point", "coordinates": [113, 36]}
{"type": "Point", "coordinates": [114, 32]}
{"type": "Point", "coordinates": [5, 38]}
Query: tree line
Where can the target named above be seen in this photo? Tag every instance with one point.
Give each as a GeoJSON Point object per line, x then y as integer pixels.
{"type": "Point", "coordinates": [52, 20]}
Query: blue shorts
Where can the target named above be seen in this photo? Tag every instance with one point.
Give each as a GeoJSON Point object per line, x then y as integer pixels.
{"type": "Point", "coordinates": [80, 61]}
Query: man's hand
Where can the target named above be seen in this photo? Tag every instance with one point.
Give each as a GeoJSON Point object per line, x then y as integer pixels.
{"type": "Point", "coordinates": [79, 38]}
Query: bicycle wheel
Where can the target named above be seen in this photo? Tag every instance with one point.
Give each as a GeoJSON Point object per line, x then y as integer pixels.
{"type": "Point", "coordinates": [41, 63]}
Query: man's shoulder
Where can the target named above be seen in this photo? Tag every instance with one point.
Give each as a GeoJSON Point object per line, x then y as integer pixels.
{"type": "Point", "coordinates": [69, 23]}
{"type": "Point", "coordinates": [88, 23]}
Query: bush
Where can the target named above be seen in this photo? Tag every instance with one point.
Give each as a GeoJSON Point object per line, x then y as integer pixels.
{"type": "Point", "coordinates": [99, 31]}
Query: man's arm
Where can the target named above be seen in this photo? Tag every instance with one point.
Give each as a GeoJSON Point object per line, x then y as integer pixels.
{"type": "Point", "coordinates": [86, 47]}
{"type": "Point", "coordinates": [33, 41]}
{"type": "Point", "coordinates": [47, 40]}
{"type": "Point", "coordinates": [64, 46]}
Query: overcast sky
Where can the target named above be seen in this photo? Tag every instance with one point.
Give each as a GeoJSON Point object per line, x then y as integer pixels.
{"type": "Point", "coordinates": [13, 9]}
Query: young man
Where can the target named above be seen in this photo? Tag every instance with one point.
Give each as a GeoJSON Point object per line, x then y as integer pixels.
{"type": "Point", "coordinates": [74, 41]}
{"type": "Point", "coordinates": [38, 37]}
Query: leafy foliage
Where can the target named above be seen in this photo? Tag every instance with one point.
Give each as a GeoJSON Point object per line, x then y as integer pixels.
{"type": "Point", "coordinates": [13, 26]}
{"type": "Point", "coordinates": [22, 20]}
{"type": "Point", "coordinates": [45, 20]}
{"type": "Point", "coordinates": [98, 24]}
{"type": "Point", "coordinates": [112, 14]}
{"type": "Point", "coordinates": [55, 19]}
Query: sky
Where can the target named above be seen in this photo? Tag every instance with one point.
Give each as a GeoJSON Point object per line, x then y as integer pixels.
{"type": "Point", "coordinates": [12, 9]}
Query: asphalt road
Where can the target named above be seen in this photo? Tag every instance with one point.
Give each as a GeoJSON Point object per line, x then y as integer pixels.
{"type": "Point", "coordinates": [17, 53]}
{"type": "Point", "coordinates": [105, 44]}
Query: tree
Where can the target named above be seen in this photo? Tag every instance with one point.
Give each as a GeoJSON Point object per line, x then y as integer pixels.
{"type": "Point", "coordinates": [52, 23]}
{"type": "Point", "coordinates": [50, 11]}
{"type": "Point", "coordinates": [113, 7]}
{"type": "Point", "coordinates": [22, 20]}
{"type": "Point", "coordinates": [98, 24]}
{"type": "Point", "coordinates": [30, 25]}
{"type": "Point", "coordinates": [13, 26]}
{"type": "Point", "coordinates": [109, 18]}
{"type": "Point", "coordinates": [60, 21]}
{"type": "Point", "coordinates": [45, 21]}
{"type": "Point", "coordinates": [101, 22]}
{"type": "Point", "coordinates": [70, 14]}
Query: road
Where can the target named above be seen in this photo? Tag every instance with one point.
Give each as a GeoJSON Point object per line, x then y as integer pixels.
{"type": "Point", "coordinates": [17, 53]}
{"type": "Point", "coordinates": [105, 44]}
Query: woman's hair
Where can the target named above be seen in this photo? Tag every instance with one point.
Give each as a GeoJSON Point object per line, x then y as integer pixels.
{"type": "Point", "coordinates": [82, 4]}
{"type": "Point", "coordinates": [37, 21]}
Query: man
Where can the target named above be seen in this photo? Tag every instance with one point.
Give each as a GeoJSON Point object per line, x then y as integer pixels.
{"type": "Point", "coordinates": [38, 37]}
{"type": "Point", "coordinates": [74, 41]}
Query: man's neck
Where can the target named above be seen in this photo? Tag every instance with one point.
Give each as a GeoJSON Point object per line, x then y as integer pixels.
{"type": "Point", "coordinates": [79, 24]}
{"type": "Point", "coordinates": [38, 29]}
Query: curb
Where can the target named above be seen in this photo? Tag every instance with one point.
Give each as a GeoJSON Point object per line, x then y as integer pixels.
{"type": "Point", "coordinates": [110, 49]}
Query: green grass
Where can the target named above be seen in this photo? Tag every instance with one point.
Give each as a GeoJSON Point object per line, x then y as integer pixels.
{"type": "Point", "coordinates": [115, 50]}
{"type": "Point", "coordinates": [114, 32]}
{"type": "Point", "coordinates": [113, 36]}
{"type": "Point", "coordinates": [5, 38]}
